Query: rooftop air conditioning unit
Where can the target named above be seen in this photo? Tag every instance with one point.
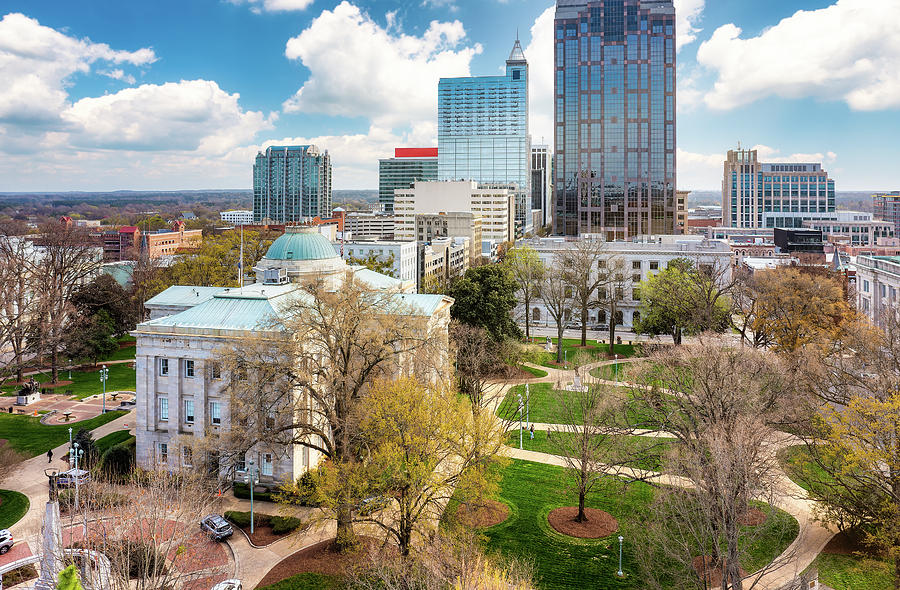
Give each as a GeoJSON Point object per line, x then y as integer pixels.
{"type": "Point", "coordinates": [275, 276]}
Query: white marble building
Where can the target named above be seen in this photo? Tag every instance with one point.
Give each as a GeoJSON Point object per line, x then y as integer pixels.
{"type": "Point", "coordinates": [179, 383]}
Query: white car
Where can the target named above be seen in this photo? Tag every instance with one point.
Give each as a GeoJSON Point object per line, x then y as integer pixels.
{"type": "Point", "coordinates": [231, 584]}
{"type": "Point", "coordinates": [6, 541]}
{"type": "Point", "coordinates": [72, 477]}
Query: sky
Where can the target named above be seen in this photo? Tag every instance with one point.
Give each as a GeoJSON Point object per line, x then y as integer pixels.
{"type": "Point", "coordinates": [104, 95]}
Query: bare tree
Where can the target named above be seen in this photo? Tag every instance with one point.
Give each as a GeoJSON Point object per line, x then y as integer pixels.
{"type": "Point", "coordinates": [580, 267]}
{"type": "Point", "coordinates": [745, 298]}
{"type": "Point", "coordinates": [726, 398]}
{"type": "Point", "coordinates": [556, 295]}
{"type": "Point", "coordinates": [527, 270]}
{"type": "Point", "coordinates": [305, 382]}
{"type": "Point", "coordinates": [66, 258]}
{"type": "Point", "coordinates": [480, 365]}
{"type": "Point", "coordinates": [586, 436]}
{"type": "Point", "coordinates": [17, 299]}
{"type": "Point", "coordinates": [612, 293]}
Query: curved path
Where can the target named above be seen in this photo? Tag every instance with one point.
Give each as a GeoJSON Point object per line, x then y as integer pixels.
{"type": "Point", "coordinates": [790, 497]}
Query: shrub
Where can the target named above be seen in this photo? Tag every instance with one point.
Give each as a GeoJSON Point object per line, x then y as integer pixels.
{"type": "Point", "coordinates": [303, 492]}
{"type": "Point", "coordinates": [19, 575]}
{"type": "Point", "coordinates": [118, 460]}
{"type": "Point", "coordinates": [242, 491]}
{"type": "Point", "coordinates": [242, 519]}
{"type": "Point", "coordinates": [282, 525]}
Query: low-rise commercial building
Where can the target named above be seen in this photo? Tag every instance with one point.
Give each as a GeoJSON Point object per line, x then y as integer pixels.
{"type": "Point", "coordinates": [370, 225]}
{"type": "Point", "coordinates": [402, 255]}
{"type": "Point", "coordinates": [856, 228]}
{"type": "Point", "coordinates": [877, 285]}
{"type": "Point", "coordinates": [237, 216]}
{"type": "Point", "coordinates": [452, 225]}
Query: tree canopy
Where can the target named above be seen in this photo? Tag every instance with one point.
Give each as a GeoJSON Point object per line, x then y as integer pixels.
{"type": "Point", "coordinates": [486, 297]}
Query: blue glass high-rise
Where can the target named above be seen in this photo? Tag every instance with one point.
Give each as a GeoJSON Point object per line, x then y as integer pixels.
{"type": "Point", "coordinates": [291, 184]}
{"type": "Point", "coordinates": [483, 131]}
{"type": "Point", "coordinates": [614, 90]}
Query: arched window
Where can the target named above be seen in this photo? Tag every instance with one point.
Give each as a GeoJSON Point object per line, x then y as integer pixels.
{"type": "Point", "coordinates": [536, 314]}
{"type": "Point", "coordinates": [636, 317]}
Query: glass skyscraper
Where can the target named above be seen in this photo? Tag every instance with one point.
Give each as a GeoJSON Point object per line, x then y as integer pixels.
{"type": "Point", "coordinates": [291, 183]}
{"type": "Point", "coordinates": [483, 131]}
{"type": "Point", "coordinates": [614, 90]}
{"type": "Point", "coordinates": [406, 167]}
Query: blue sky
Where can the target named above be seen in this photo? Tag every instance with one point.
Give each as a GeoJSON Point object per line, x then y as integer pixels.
{"type": "Point", "coordinates": [105, 95]}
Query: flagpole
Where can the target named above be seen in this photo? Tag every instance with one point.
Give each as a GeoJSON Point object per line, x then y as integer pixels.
{"type": "Point", "coordinates": [241, 261]}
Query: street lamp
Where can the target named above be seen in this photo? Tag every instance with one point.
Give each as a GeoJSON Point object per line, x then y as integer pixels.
{"type": "Point", "coordinates": [527, 406]}
{"type": "Point", "coordinates": [104, 374]}
{"type": "Point", "coordinates": [617, 368]}
{"type": "Point", "coordinates": [620, 573]}
{"type": "Point", "coordinates": [70, 369]}
{"type": "Point", "coordinates": [252, 478]}
{"type": "Point", "coordinates": [520, 421]}
{"type": "Point", "coordinates": [75, 453]}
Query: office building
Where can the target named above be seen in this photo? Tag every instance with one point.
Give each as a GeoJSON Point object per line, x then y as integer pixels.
{"type": "Point", "coordinates": [887, 208]}
{"type": "Point", "coordinates": [542, 182]}
{"type": "Point", "coordinates": [406, 167]}
{"type": "Point", "coordinates": [799, 241]}
{"type": "Point", "coordinates": [681, 212]}
{"type": "Point", "coordinates": [402, 255]}
{"type": "Point", "coordinates": [483, 132]}
{"type": "Point", "coordinates": [291, 184]}
{"type": "Point", "coordinates": [779, 194]}
{"type": "Point", "coordinates": [614, 88]}
{"type": "Point", "coordinates": [451, 225]}
{"type": "Point", "coordinates": [494, 206]}
{"type": "Point", "coordinates": [855, 228]}
{"type": "Point", "coordinates": [640, 258]}
{"type": "Point", "coordinates": [237, 217]}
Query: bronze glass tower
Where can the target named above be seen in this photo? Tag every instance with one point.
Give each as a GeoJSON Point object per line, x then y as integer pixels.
{"type": "Point", "coordinates": [614, 90]}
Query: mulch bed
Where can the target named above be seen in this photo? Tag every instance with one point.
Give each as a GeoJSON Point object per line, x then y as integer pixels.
{"type": "Point", "coordinates": [850, 542]}
{"type": "Point", "coordinates": [321, 558]}
{"type": "Point", "coordinates": [752, 517]}
{"type": "Point", "coordinates": [599, 524]}
{"type": "Point", "coordinates": [262, 534]}
{"type": "Point", "coordinates": [483, 515]}
{"type": "Point", "coordinates": [711, 570]}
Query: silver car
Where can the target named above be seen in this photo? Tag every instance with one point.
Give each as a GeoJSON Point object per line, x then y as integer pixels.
{"type": "Point", "coordinates": [6, 541]}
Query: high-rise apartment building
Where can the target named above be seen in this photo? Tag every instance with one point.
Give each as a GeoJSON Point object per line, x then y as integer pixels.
{"type": "Point", "coordinates": [483, 131]}
{"type": "Point", "coordinates": [782, 194]}
{"type": "Point", "coordinates": [406, 167]}
{"type": "Point", "coordinates": [614, 88]}
{"type": "Point", "coordinates": [291, 183]}
{"type": "Point", "coordinates": [887, 208]}
{"type": "Point", "coordinates": [541, 181]}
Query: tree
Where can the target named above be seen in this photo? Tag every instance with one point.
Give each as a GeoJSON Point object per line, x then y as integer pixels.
{"type": "Point", "coordinates": [105, 294]}
{"type": "Point", "coordinates": [796, 308]}
{"type": "Point", "coordinates": [383, 265]}
{"type": "Point", "coordinates": [215, 263]}
{"type": "Point", "coordinates": [720, 417]}
{"type": "Point", "coordinates": [479, 362]}
{"type": "Point", "coordinates": [685, 298]}
{"type": "Point", "coordinates": [68, 579]}
{"type": "Point", "coordinates": [581, 269]}
{"type": "Point", "coordinates": [613, 289]}
{"type": "Point", "coordinates": [745, 317]}
{"type": "Point", "coordinates": [486, 297]}
{"type": "Point", "coordinates": [86, 443]}
{"type": "Point", "coordinates": [18, 298]}
{"type": "Point", "coordinates": [526, 268]}
{"type": "Point", "coordinates": [585, 438]}
{"type": "Point", "coordinates": [556, 295]}
{"type": "Point", "coordinates": [421, 450]}
{"type": "Point", "coordinates": [68, 259]}
{"type": "Point", "coordinates": [305, 381]}
{"type": "Point", "coordinates": [91, 337]}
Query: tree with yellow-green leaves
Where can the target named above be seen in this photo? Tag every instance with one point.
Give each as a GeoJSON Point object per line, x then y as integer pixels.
{"type": "Point", "coordinates": [423, 446]}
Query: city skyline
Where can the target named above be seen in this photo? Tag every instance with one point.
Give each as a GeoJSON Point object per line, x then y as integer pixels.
{"type": "Point", "coordinates": [119, 96]}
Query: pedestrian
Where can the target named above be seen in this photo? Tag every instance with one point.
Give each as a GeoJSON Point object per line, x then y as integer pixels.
{"type": "Point", "coordinates": [49, 455]}
{"type": "Point", "coordinates": [532, 431]}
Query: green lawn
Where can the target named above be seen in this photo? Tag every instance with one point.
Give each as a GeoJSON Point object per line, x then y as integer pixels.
{"type": "Point", "coordinates": [572, 349]}
{"type": "Point", "coordinates": [850, 572]}
{"type": "Point", "coordinates": [27, 435]}
{"type": "Point", "coordinates": [560, 563]}
{"type": "Point", "coordinates": [125, 352]}
{"type": "Point", "coordinates": [13, 507]}
{"type": "Point", "coordinates": [111, 440]}
{"type": "Point", "coordinates": [307, 581]}
{"type": "Point", "coordinates": [87, 382]}
{"type": "Point", "coordinates": [641, 452]}
{"type": "Point", "coordinates": [533, 371]}
{"type": "Point", "coordinates": [626, 371]}
{"type": "Point", "coordinates": [800, 467]}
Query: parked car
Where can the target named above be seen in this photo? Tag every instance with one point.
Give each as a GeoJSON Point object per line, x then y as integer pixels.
{"type": "Point", "coordinates": [72, 477]}
{"type": "Point", "coordinates": [216, 527]}
{"type": "Point", "coordinates": [231, 584]}
{"type": "Point", "coordinates": [6, 541]}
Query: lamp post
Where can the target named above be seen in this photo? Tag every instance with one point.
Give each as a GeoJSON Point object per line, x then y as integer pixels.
{"type": "Point", "coordinates": [75, 453]}
{"type": "Point", "coordinates": [70, 438]}
{"type": "Point", "coordinates": [620, 573]}
{"type": "Point", "coordinates": [251, 479]}
{"type": "Point", "coordinates": [566, 358]}
{"type": "Point", "coordinates": [520, 421]}
{"type": "Point", "coordinates": [70, 369]}
{"type": "Point", "coordinates": [527, 406]}
{"type": "Point", "coordinates": [617, 368]}
{"type": "Point", "coordinates": [104, 374]}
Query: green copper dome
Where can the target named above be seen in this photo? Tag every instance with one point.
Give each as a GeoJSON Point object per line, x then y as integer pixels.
{"type": "Point", "coordinates": [301, 243]}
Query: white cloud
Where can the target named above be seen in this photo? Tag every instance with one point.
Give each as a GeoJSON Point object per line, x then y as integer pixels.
{"type": "Point", "coordinates": [187, 115]}
{"type": "Point", "coordinates": [539, 54]}
{"type": "Point", "coordinates": [258, 6]}
{"type": "Point", "coordinates": [849, 51]}
{"type": "Point", "coordinates": [36, 63]}
{"type": "Point", "coordinates": [699, 171]}
{"type": "Point", "coordinates": [687, 13]}
{"type": "Point", "coordinates": [118, 74]}
{"type": "Point", "coordinates": [360, 69]}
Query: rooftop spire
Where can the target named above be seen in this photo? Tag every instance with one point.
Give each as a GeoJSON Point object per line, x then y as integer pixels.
{"type": "Point", "coordinates": [516, 54]}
